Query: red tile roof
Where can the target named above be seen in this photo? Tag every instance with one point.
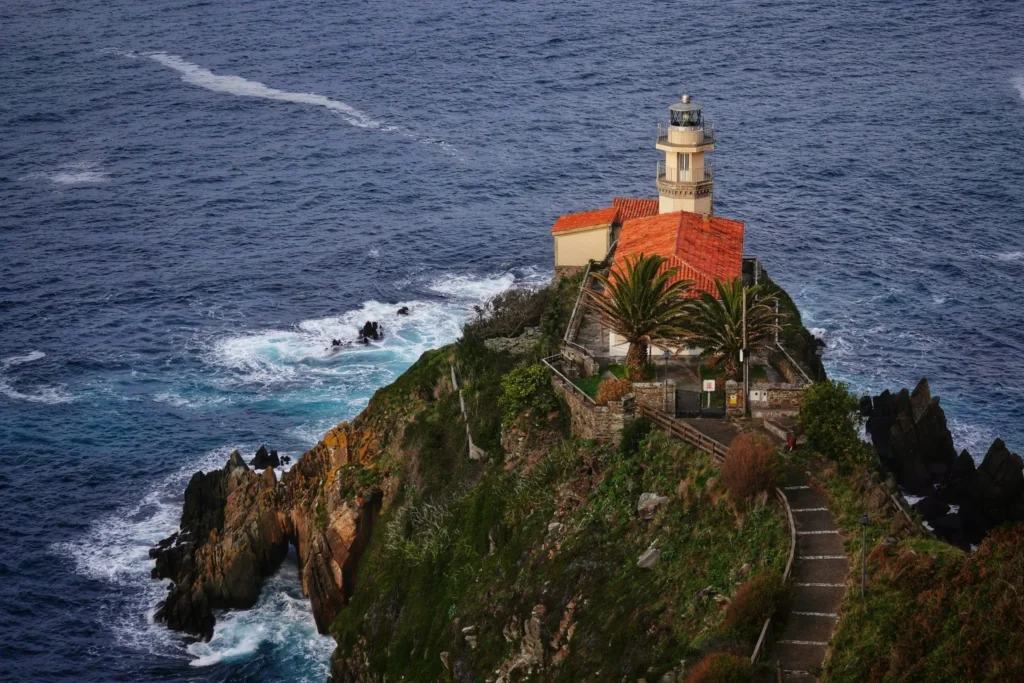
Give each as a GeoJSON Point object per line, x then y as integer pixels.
{"type": "Point", "coordinates": [621, 210]}
{"type": "Point", "coordinates": [703, 248]}
{"type": "Point", "coordinates": [630, 208]}
{"type": "Point", "coordinates": [587, 219]}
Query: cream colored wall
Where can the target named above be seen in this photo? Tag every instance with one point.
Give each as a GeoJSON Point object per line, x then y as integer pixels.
{"type": "Point", "coordinates": [618, 347]}
{"type": "Point", "coordinates": [578, 248]}
{"type": "Point", "coordinates": [694, 205]}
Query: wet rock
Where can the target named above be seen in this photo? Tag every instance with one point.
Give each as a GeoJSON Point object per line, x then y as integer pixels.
{"type": "Point", "coordinates": [931, 508]}
{"type": "Point", "coordinates": [264, 459]}
{"type": "Point", "coordinates": [371, 331]}
{"type": "Point", "coordinates": [404, 310]}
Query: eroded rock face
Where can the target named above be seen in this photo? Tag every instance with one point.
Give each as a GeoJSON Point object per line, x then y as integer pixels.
{"type": "Point", "coordinates": [237, 525]}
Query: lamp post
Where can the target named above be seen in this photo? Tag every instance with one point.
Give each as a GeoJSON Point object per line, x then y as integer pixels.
{"type": "Point", "coordinates": [864, 522]}
{"type": "Point", "coordinates": [665, 392]}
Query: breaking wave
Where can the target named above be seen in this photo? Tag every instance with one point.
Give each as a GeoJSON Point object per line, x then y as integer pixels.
{"type": "Point", "coordinates": [41, 394]}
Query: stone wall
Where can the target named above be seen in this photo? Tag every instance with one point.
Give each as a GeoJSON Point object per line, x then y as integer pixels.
{"type": "Point", "coordinates": [600, 423]}
{"type": "Point", "coordinates": [776, 399]}
{"type": "Point", "coordinates": [566, 271]}
{"type": "Point", "coordinates": [660, 396]}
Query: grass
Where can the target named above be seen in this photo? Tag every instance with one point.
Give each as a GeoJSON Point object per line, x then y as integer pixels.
{"type": "Point", "coordinates": [589, 385]}
{"type": "Point", "coordinates": [489, 559]}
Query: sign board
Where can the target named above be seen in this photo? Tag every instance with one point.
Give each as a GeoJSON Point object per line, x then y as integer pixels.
{"type": "Point", "coordinates": [709, 385]}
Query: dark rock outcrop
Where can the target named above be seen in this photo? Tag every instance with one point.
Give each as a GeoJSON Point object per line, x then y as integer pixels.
{"type": "Point", "coordinates": [404, 310]}
{"type": "Point", "coordinates": [263, 459]}
{"type": "Point", "coordinates": [913, 441]}
{"type": "Point", "coordinates": [371, 331]}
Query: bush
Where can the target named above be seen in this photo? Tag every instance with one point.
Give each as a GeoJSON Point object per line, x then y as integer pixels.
{"type": "Point", "coordinates": [612, 390]}
{"type": "Point", "coordinates": [830, 420]}
{"type": "Point", "coordinates": [633, 435]}
{"type": "Point", "coordinates": [722, 668]}
{"type": "Point", "coordinates": [752, 465]}
{"type": "Point", "coordinates": [756, 600]}
{"type": "Point", "coordinates": [526, 387]}
{"type": "Point", "coordinates": [508, 314]}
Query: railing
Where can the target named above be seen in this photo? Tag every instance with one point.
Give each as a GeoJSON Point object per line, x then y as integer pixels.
{"type": "Point", "coordinates": [573, 328]}
{"type": "Point", "coordinates": [686, 433]}
{"type": "Point", "coordinates": [708, 138]}
{"type": "Point", "coordinates": [766, 630]}
{"type": "Point", "coordinates": [549, 361]}
{"type": "Point", "coordinates": [717, 451]}
{"type": "Point", "coordinates": [688, 176]}
{"type": "Point", "coordinates": [794, 363]}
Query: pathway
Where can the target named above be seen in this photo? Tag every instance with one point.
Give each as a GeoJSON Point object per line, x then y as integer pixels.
{"type": "Point", "coordinates": [818, 582]}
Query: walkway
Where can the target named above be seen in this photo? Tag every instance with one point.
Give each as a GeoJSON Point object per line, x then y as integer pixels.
{"type": "Point", "coordinates": [818, 582]}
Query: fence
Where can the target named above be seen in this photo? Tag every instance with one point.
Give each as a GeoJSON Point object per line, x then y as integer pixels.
{"type": "Point", "coordinates": [686, 433]}
{"type": "Point", "coordinates": [550, 361]}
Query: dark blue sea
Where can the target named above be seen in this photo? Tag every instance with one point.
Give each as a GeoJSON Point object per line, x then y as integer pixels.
{"type": "Point", "coordinates": [196, 197]}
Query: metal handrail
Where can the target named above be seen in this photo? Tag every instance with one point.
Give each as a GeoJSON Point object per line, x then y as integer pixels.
{"type": "Point", "coordinates": [687, 433]}
{"type": "Point", "coordinates": [794, 363]}
{"type": "Point", "coordinates": [565, 379]}
{"type": "Point", "coordinates": [785, 575]}
{"type": "Point", "coordinates": [574, 322]}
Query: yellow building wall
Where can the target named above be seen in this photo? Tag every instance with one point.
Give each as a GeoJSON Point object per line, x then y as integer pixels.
{"type": "Point", "coordinates": [578, 248]}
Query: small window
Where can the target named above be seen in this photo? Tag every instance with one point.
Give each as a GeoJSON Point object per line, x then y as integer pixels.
{"type": "Point", "coordinates": [684, 162]}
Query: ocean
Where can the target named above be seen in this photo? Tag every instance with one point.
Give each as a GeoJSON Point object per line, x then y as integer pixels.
{"type": "Point", "coordinates": [198, 196]}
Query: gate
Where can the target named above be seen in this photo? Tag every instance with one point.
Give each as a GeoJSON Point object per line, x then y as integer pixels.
{"type": "Point", "coordinates": [700, 403]}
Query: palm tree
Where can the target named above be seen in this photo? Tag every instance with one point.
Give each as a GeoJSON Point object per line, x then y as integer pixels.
{"type": "Point", "coordinates": [715, 324]}
{"type": "Point", "coordinates": [642, 304]}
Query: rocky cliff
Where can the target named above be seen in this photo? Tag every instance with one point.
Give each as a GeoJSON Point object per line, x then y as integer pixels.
{"type": "Point", "coordinates": [910, 435]}
{"type": "Point", "coordinates": [237, 524]}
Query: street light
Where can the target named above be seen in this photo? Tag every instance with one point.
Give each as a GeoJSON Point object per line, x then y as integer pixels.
{"type": "Point", "coordinates": [864, 522]}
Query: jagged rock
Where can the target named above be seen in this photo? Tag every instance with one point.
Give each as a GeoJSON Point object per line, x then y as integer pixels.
{"type": "Point", "coordinates": [371, 331]}
{"type": "Point", "coordinates": [649, 504]}
{"type": "Point", "coordinates": [404, 310]}
{"type": "Point", "coordinates": [950, 527]}
{"type": "Point", "coordinates": [649, 558]}
{"type": "Point", "coordinates": [998, 481]}
{"type": "Point", "coordinates": [237, 524]}
{"type": "Point", "coordinates": [931, 508]}
{"type": "Point", "coordinates": [877, 499]}
{"type": "Point", "coordinates": [263, 459]}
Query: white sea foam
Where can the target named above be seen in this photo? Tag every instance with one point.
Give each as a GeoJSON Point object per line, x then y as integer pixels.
{"type": "Point", "coordinates": [76, 173]}
{"type": "Point", "coordinates": [1018, 83]}
{"type": "Point", "coordinates": [281, 617]}
{"type": "Point", "coordinates": [1009, 256]}
{"type": "Point", "coordinates": [41, 394]}
{"type": "Point", "coordinates": [304, 354]}
{"type": "Point", "coordinates": [243, 87]}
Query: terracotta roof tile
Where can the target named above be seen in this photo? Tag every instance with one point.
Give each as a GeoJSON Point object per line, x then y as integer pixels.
{"type": "Point", "coordinates": [587, 219]}
{"type": "Point", "coordinates": [703, 248]}
{"type": "Point", "coordinates": [631, 207]}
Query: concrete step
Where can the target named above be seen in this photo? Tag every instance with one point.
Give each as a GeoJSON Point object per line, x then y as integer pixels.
{"type": "Point", "coordinates": [798, 677]}
{"type": "Point", "coordinates": [808, 627]}
{"type": "Point", "coordinates": [813, 519]}
{"type": "Point", "coordinates": [819, 544]}
{"type": "Point", "coordinates": [799, 656]}
{"type": "Point", "coordinates": [825, 599]}
{"type": "Point", "coordinates": [821, 569]}
{"type": "Point", "coordinates": [803, 498]}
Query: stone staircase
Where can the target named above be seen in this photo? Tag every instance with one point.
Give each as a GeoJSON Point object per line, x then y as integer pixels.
{"type": "Point", "coordinates": [820, 573]}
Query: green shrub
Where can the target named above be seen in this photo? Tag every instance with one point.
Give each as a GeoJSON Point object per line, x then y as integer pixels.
{"type": "Point", "coordinates": [757, 599]}
{"type": "Point", "coordinates": [526, 387]}
{"type": "Point", "coordinates": [722, 668]}
{"type": "Point", "coordinates": [633, 435]}
{"type": "Point", "coordinates": [752, 465]}
{"type": "Point", "coordinates": [830, 420]}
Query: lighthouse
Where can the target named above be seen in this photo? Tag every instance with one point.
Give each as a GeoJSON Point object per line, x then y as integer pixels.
{"type": "Point", "coordinates": [685, 178]}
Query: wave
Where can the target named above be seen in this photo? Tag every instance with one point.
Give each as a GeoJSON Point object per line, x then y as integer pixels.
{"type": "Point", "coordinates": [50, 395]}
{"type": "Point", "coordinates": [303, 356]}
{"type": "Point", "coordinates": [243, 87]}
{"type": "Point", "coordinates": [1018, 83]}
{"type": "Point", "coordinates": [76, 173]}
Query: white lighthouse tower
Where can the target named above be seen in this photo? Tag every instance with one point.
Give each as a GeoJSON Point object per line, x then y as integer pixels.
{"type": "Point", "coordinates": [685, 178]}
